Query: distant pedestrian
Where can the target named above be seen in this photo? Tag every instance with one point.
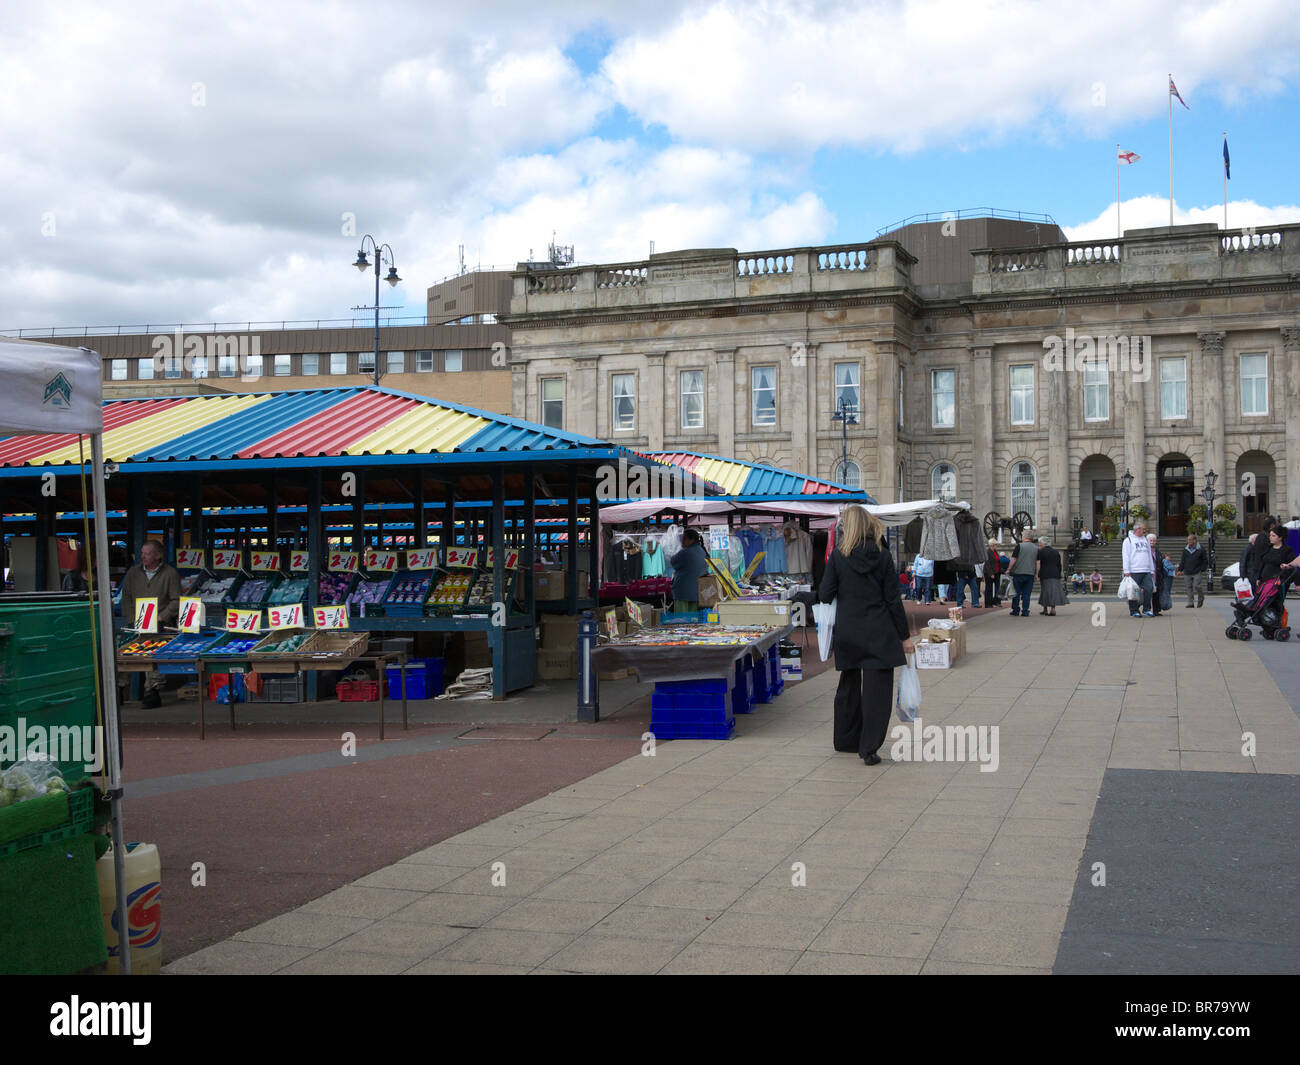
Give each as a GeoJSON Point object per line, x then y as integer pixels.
{"type": "Point", "coordinates": [1024, 568]}
{"type": "Point", "coordinates": [1164, 577]}
{"type": "Point", "coordinates": [1140, 564]}
{"type": "Point", "coordinates": [1095, 581]}
{"type": "Point", "coordinates": [922, 578]}
{"type": "Point", "coordinates": [1193, 566]}
{"type": "Point", "coordinates": [1052, 589]}
{"type": "Point", "coordinates": [689, 565]}
{"type": "Point", "coordinates": [992, 571]}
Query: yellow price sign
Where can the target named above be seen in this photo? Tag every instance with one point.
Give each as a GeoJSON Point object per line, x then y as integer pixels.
{"type": "Point", "coordinates": [343, 561]}
{"type": "Point", "coordinates": [284, 617]}
{"type": "Point", "coordinates": [227, 559]}
{"type": "Point", "coordinates": [243, 620]}
{"type": "Point", "coordinates": [299, 562]}
{"type": "Point", "coordinates": [191, 558]}
{"type": "Point", "coordinates": [331, 617]}
{"type": "Point", "coordinates": [381, 561]}
{"type": "Point", "coordinates": [146, 615]}
{"type": "Point", "coordinates": [191, 614]}
{"type": "Point", "coordinates": [264, 560]}
{"type": "Point", "coordinates": [424, 558]}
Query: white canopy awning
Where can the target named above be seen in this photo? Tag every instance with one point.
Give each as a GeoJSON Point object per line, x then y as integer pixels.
{"type": "Point", "coordinates": [889, 513]}
{"type": "Point", "coordinates": [49, 388]}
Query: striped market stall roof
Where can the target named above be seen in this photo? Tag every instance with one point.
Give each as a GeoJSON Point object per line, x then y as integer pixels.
{"type": "Point", "coordinates": [750, 479]}
{"type": "Point", "coordinates": [330, 422]}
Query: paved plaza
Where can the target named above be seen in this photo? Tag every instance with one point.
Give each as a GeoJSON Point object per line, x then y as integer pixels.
{"type": "Point", "coordinates": [1123, 830]}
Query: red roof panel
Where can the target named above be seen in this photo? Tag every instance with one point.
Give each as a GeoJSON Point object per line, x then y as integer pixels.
{"type": "Point", "coordinates": [19, 449]}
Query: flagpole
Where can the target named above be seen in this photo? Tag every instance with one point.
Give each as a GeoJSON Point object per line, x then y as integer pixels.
{"type": "Point", "coordinates": [1225, 184]}
{"type": "Point", "coordinates": [1119, 229]}
{"type": "Point", "coordinates": [1171, 153]}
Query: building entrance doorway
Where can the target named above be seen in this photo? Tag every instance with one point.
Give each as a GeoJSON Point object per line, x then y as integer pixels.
{"type": "Point", "coordinates": [1175, 491]}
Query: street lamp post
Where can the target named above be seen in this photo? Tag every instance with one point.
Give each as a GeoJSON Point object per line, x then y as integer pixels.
{"type": "Point", "coordinates": [1208, 493]}
{"type": "Point", "coordinates": [845, 416]}
{"type": "Point", "coordinates": [1122, 494]}
{"type": "Point", "coordinates": [363, 265]}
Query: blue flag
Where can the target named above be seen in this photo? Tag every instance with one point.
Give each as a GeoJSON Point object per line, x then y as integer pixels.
{"type": "Point", "coordinates": [1227, 163]}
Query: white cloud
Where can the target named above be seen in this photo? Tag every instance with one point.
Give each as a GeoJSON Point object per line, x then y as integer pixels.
{"type": "Point", "coordinates": [1146, 212]}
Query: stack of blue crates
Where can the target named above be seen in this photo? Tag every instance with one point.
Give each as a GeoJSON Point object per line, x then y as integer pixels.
{"type": "Point", "coordinates": [742, 692]}
{"type": "Point", "coordinates": [692, 710]}
{"type": "Point", "coordinates": [774, 667]}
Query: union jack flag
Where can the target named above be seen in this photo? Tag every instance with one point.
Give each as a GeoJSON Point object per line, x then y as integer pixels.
{"type": "Point", "coordinates": [1173, 91]}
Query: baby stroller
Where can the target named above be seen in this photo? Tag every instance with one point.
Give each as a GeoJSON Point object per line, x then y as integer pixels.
{"type": "Point", "coordinates": [1266, 609]}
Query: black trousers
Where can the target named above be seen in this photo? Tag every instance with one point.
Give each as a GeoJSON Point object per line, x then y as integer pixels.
{"type": "Point", "coordinates": [990, 591]}
{"type": "Point", "coordinates": [863, 702]}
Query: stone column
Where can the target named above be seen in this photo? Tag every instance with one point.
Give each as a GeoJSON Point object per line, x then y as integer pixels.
{"type": "Point", "coordinates": [584, 408]}
{"type": "Point", "coordinates": [1135, 437]}
{"type": "Point", "coordinates": [981, 416]}
{"type": "Point", "coordinates": [519, 391]}
{"type": "Point", "coordinates": [885, 488]}
{"type": "Point", "coordinates": [722, 419]}
{"type": "Point", "coordinates": [803, 434]}
{"type": "Point", "coordinates": [1212, 407]}
{"type": "Point", "coordinates": [1058, 449]}
{"type": "Point", "coordinates": [1291, 404]}
{"type": "Point", "coordinates": [650, 418]}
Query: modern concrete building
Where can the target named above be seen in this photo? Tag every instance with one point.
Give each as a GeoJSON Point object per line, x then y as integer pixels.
{"type": "Point", "coordinates": [965, 351]}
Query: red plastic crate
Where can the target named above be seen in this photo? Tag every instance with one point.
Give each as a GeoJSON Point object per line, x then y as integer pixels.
{"type": "Point", "coordinates": [357, 691]}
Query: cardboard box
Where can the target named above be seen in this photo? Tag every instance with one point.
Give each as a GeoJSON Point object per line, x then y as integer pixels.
{"type": "Point", "coordinates": [550, 585]}
{"type": "Point", "coordinates": [739, 612]}
{"type": "Point", "coordinates": [708, 592]}
{"type": "Point", "coordinates": [559, 632]}
{"type": "Point", "coordinates": [934, 655]}
{"type": "Point", "coordinates": [617, 674]}
{"type": "Point", "coordinates": [557, 665]}
{"type": "Point", "coordinates": [478, 654]}
{"type": "Point", "coordinates": [955, 636]}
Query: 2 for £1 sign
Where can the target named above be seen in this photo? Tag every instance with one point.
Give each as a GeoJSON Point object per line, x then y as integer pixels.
{"type": "Point", "coordinates": [381, 561]}
{"type": "Point", "coordinates": [227, 559]}
{"type": "Point", "coordinates": [343, 561]}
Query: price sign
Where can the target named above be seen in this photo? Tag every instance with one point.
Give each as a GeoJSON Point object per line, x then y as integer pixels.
{"type": "Point", "coordinates": [425, 558]}
{"type": "Point", "coordinates": [343, 561]}
{"type": "Point", "coordinates": [228, 560]}
{"type": "Point", "coordinates": [284, 617]}
{"type": "Point", "coordinates": [381, 561]}
{"type": "Point", "coordinates": [243, 620]}
{"type": "Point", "coordinates": [191, 615]}
{"type": "Point", "coordinates": [512, 558]}
{"type": "Point", "coordinates": [331, 617]}
{"type": "Point", "coordinates": [191, 558]}
{"type": "Point", "coordinates": [611, 623]}
{"type": "Point", "coordinates": [299, 561]}
{"type": "Point", "coordinates": [146, 615]}
{"type": "Point", "coordinates": [719, 538]}
{"type": "Point", "coordinates": [264, 560]}
{"type": "Point", "coordinates": [636, 613]}
{"type": "Point", "coordinates": [466, 557]}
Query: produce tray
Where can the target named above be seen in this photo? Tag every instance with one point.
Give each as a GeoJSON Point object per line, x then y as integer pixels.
{"type": "Point", "coordinates": [407, 594]}
{"type": "Point", "coordinates": [177, 657]}
{"type": "Point", "coordinates": [289, 590]}
{"type": "Point", "coordinates": [370, 594]}
{"type": "Point", "coordinates": [81, 818]}
{"type": "Point", "coordinates": [479, 600]}
{"type": "Point", "coordinates": [236, 599]}
{"type": "Point", "coordinates": [270, 662]}
{"type": "Point", "coordinates": [212, 599]}
{"type": "Point", "coordinates": [457, 585]}
{"type": "Point", "coordinates": [232, 646]}
{"type": "Point", "coordinates": [334, 588]}
{"type": "Point", "coordinates": [337, 649]}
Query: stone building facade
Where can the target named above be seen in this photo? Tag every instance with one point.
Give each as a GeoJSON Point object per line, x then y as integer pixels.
{"type": "Point", "coordinates": [971, 369]}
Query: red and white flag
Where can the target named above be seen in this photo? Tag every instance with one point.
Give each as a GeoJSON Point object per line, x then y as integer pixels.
{"type": "Point", "coordinates": [1129, 157]}
{"type": "Point", "coordinates": [1173, 91]}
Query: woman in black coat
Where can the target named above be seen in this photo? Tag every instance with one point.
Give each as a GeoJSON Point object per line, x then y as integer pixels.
{"type": "Point", "coordinates": [871, 636]}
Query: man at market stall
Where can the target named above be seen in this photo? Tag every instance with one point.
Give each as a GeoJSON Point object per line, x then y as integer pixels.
{"type": "Point", "coordinates": [689, 565]}
{"type": "Point", "coordinates": [152, 578]}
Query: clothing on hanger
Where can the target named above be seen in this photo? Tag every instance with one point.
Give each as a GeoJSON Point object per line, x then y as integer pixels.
{"type": "Point", "coordinates": [774, 546]}
{"type": "Point", "coordinates": [939, 535]}
{"type": "Point", "coordinates": [652, 558]}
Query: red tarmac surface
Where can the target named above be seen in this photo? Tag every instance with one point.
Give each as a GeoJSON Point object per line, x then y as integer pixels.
{"type": "Point", "coordinates": [270, 845]}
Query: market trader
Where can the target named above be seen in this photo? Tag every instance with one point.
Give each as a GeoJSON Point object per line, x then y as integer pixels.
{"type": "Point", "coordinates": [689, 565]}
{"type": "Point", "coordinates": [152, 578]}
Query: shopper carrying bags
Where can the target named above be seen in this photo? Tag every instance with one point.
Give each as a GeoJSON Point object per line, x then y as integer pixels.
{"type": "Point", "coordinates": [870, 639]}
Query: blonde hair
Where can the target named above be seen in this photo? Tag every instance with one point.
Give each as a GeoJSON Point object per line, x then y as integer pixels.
{"type": "Point", "coordinates": [856, 526]}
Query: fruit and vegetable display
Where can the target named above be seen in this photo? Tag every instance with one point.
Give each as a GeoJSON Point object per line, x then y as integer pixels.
{"type": "Point", "coordinates": [480, 595]}
{"type": "Point", "coordinates": [190, 581]}
{"type": "Point", "coordinates": [293, 590]}
{"type": "Point", "coordinates": [693, 636]}
{"type": "Point", "coordinates": [189, 645]}
{"type": "Point", "coordinates": [252, 590]}
{"type": "Point", "coordinates": [410, 589]}
{"type": "Point", "coordinates": [215, 589]}
{"type": "Point", "coordinates": [451, 589]}
{"type": "Point", "coordinates": [30, 779]}
{"type": "Point", "coordinates": [285, 646]}
{"type": "Point", "coordinates": [235, 646]}
{"type": "Point", "coordinates": [143, 646]}
{"type": "Point", "coordinates": [370, 591]}
{"type": "Point", "coordinates": [333, 587]}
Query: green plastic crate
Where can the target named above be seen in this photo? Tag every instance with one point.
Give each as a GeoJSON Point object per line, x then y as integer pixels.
{"type": "Point", "coordinates": [81, 818]}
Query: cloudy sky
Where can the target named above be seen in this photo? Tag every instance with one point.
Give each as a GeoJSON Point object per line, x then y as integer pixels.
{"type": "Point", "coordinates": [169, 162]}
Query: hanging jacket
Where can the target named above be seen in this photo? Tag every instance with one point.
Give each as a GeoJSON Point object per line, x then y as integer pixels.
{"type": "Point", "coordinates": [970, 539]}
{"type": "Point", "coordinates": [939, 535]}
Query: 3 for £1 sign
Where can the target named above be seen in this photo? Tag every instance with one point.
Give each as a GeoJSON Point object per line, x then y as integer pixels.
{"type": "Point", "coordinates": [243, 620]}
{"type": "Point", "coordinates": [284, 617]}
{"type": "Point", "coordinates": [331, 617]}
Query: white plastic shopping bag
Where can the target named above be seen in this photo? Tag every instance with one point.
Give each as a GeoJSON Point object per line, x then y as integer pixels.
{"type": "Point", "coordinates": [824, 615]}
{"type": "Point", "coordinates": [1242, 587]}
{"type": "Point", "coordinates": [909, 691]}
{"type": "Point", "coordinates": [1128, 589]}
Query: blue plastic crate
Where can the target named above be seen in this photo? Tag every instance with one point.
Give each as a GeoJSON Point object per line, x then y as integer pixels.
{"type": "Point", "coordinates": [424, 678]}
{"type": "Point", "coordinates": [684, 729]}
{"type": "Point", "coordinates": [690, 617]}
{"type": "Point", "coordinates": [693, 687]}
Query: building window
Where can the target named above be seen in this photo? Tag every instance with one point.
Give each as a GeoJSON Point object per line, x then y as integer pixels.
{"type": "Point", "coordinates": [623, 388]}
{"type": "Point", "coordinates": [452, 361]}
{"type": "Point", "coordinates": [900, 399]}
{"type": "Point", "coordinates": [226, 366]}
{"type": "Point", "coordinates": [172, 366]}
{"type": "Point", "coordinates": [552, 399]}
{"type": "Point", "coordinates": [1024, 490]}
{"type": "Point", "coordinates": [1254, 385]}
{"type": "Point", "coordinates": [338, 362]}
{"type": "Point", "coordinates": [144, 369]}
{"type": "Point", "coordinates": [943, 482]}
{"type": "Point", "coordinates": [1022, 395]}
{"type": "Point", "coordinates": [1173, 388]}
{"type": "Point", "coordinates": [692, 382]}
{"type": "Point", "coordinates": [847, 393]}
{"type": "Point", "coordinates": [1096, 393]}
{"type": "Point", "coordinates": [848, 474]}
{"type": "Point", "coordinates": [424, 362]}
{"type": "Point", "coordinates": [943, 399]}
{"type": "Point", "coordinates": [117, 370]}
{"type": "Point", "coordinates": [283, 365]}
{"type": "Point", "coordinates": [366, 362]}
{"type": "Point", "coordinates": [311, 364]}
{"type": "Point", "coordinates": [199, 366]}
{"type": "Point", "coordinates": [763, 389]}
{"type": "Point", "coordinates": [254, 366]}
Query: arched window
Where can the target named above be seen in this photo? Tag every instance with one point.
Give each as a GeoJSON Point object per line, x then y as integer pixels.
{"type": "Point", "coordinates": [848, 474]}
{"type": "Point", "coordinates": [943, 482]}
{"type": "Point", "coordinates": [1024, 490]}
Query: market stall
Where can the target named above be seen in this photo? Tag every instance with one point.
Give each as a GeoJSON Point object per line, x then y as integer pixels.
{"type": "Point", "coordinates": [49, 896]}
